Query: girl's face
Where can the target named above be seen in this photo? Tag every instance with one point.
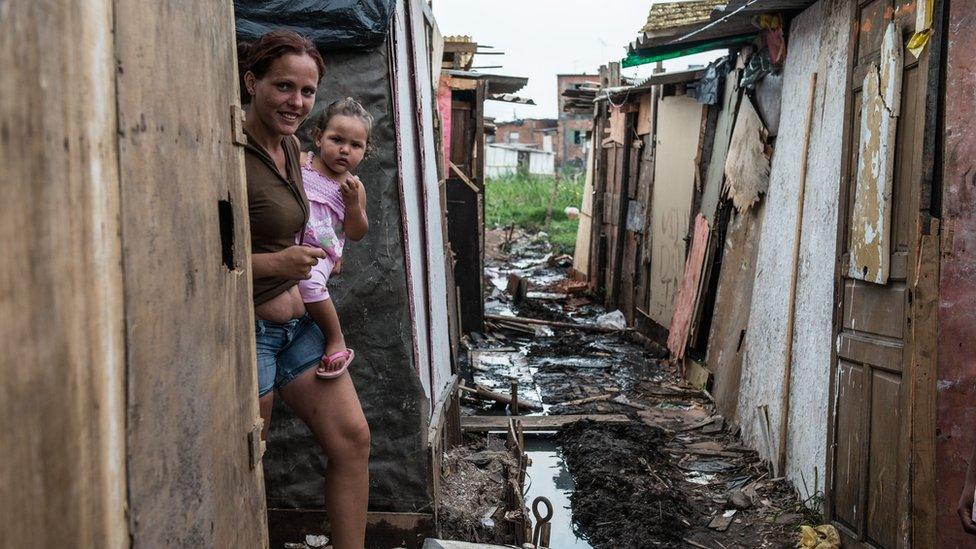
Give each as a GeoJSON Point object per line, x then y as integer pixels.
{"type": "Point", "coordinates": [284, 96]}
{"type": "Point", "coordinates": [342, 144]}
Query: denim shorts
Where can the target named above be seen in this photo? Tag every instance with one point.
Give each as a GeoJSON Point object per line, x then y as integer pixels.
{"type": "Point", "coordinates": [286, 350]}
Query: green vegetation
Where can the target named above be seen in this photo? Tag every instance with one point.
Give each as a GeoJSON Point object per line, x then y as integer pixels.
{"type": "Point", "coordinates": [521, 200]}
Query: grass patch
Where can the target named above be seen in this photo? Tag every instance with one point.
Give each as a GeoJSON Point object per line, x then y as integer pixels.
{"type": "Point", "coordinates": [521, 201]}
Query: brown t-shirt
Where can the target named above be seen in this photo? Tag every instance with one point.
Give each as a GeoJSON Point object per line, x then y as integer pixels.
{"type": "Point", "coordinates": [277, 208]}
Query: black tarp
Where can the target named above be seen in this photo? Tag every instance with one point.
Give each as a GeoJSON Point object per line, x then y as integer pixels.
{"type": "Point", "coordinates": [371, 296]}
{"type": "Point", "coordinates": [331, 24]}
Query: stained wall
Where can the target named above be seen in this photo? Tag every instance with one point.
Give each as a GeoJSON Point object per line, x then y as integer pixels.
{"type": "Point", "coordinates": [818, 42]}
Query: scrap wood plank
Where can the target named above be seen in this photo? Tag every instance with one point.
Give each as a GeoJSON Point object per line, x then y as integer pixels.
{"type": "Point", "coordinates": [747, 166]}
{"type": "Point", "coordinates": [687, 298]}
{"type": "Point", "coordinates": [871, 217]}
{"type": "Point", "coordinates": [481, 424]}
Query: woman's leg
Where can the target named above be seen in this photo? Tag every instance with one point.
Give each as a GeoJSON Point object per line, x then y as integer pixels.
{"type": "Point", "coordinates": [266, 404]}
{"type": "Point", "coordinates": [332, 411]}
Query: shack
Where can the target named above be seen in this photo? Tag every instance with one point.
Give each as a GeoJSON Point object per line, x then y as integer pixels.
{"type": "Point", "coordinates": [503, 159]}
{"type": "Point", "coordinates": [129, 387]}
{"type": "Point", "coordinates": [461, 95]}
{"type": "Point", "coordinates": [802, 288]}
{"type": "Point", "coordinates": [394, 293]}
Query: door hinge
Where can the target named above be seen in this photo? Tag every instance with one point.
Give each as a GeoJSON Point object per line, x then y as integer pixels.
{"type": "Point", "coordinates": [237, 125]}
{"type": "Point", "coordinates": [256, 446]}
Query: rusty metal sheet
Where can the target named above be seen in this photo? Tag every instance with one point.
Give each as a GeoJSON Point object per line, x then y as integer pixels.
{"type": "Point", "coordinates": [956, 403]}
{"type": "Point", "coordinates": [636, 214]}
{"type": "Point", "coordinates": [687, 298]}
{"type": "Point", "coordinates": [746, 166]}
{"type": "Point", "coordinates": [870, 234]}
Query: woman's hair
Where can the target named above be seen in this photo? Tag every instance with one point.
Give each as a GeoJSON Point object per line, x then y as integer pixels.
{"type": "Point", "coordinates": [258, 56]}
{"type": "Point", "coordinates": [344, 107]}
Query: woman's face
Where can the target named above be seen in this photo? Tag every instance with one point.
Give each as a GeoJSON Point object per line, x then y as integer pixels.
{"type": "Point", "coordinates": [284, 96]}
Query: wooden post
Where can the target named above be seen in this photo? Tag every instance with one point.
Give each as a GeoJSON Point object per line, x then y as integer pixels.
{"type": "Point", "coordinates": [784, 417]}
{"type": "Point", "coordinates": [514, 404]}
{"type": "Point", "coordinates": [552, 200]}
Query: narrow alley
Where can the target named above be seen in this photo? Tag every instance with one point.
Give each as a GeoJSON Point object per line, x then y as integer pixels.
{"type": "Point", "coordinates": [641, 459]}
{"type": "Point", "coordinates": [488, 274]}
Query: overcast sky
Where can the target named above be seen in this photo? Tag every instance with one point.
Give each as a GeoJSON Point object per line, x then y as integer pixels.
{"type": "Point", "coordinates": [543, 38]}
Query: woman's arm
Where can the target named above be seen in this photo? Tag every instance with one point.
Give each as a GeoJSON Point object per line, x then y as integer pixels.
{"type": "Point", "coordinates": [293, 263]}
{"type": "Point", "coordinates": [965, 507]}
{"type": "Point", "coordinates": [356, 223]}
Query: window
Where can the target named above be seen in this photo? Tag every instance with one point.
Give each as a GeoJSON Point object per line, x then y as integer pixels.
{"type": "Point", "coordinates": [577, 137]}
{"type": "Point", "coordinates": [513, 137]}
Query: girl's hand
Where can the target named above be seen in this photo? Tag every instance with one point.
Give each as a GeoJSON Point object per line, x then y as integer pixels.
{"type": "Point", "coordinates": [350, 189]}
{"type": "Point", "coordinates": [296, 262]}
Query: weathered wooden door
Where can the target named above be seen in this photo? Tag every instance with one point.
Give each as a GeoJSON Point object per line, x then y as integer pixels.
{"type": "Point", "coordinates": [868, 472]}
{"type": "Point", "coordinates": [192, 428]}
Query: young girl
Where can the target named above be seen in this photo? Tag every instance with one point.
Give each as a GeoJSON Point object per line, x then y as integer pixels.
{"type": "Point", "coordinates": [337, 211]}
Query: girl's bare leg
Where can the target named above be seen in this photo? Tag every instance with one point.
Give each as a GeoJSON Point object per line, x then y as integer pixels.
{"type": "Point", "coordinates": [324, 315]}
{"type": "Point", "coordinates": [332, 411]}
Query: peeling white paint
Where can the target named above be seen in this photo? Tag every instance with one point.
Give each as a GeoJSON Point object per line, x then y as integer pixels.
{"type": "Point", "coordinates": [870, 254]}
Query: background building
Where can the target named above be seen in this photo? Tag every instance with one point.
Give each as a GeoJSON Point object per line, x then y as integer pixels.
{"type": "Point", "coordinates": [531, 132]}
{"type": "Point", "coordinates": [572, 128]}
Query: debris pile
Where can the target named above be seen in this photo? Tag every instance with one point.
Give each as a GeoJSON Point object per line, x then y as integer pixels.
{"type": "Point", "coordinates": [626, 495]}
{"type": "Point", "coordinates": [471, 506]}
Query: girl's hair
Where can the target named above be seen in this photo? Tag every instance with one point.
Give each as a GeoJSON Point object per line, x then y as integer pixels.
{"type": "Point", "coordinates": [258, 56]}
{"type": "Point", "coordinates": [344, 107]}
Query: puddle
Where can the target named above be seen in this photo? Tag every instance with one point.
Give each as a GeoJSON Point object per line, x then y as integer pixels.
{"type": "Point", "coordinates": [548, 476]}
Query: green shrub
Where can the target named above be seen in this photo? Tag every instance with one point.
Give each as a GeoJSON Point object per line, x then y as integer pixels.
{"type": "Point", "coordinates": [521, 201]}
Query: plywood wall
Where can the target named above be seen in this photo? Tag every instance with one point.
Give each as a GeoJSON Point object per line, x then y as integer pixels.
{"type": "Point", "coordinates": [62, 480]}
{"type": "Point", "coordinates": [674, 185]}
{"type": "Point", "coordinates": [819, 43]}
{"type": "Point", "coordinates": [128, 387]}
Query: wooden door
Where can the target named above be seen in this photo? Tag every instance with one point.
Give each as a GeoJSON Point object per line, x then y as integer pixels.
{"type": "Point", "coordinates": [868, 494]}
{"type": "Point", "coordinates": [671, 200]}
{"type": "Point", "coordinates": [192, 422]}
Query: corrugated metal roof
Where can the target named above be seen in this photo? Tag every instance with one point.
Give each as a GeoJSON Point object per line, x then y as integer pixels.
{"type": "Point", "coordinates": [670, 15]}
{"type": "Point", "coordinates": [727, 19]}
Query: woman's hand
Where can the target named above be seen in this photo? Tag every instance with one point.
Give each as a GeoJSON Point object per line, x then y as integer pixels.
{"type": "Point", "coordinates": [965, 507]}
{"type": "Point", "coordinates": [293, 263]}
{"type": "Point", "coordinates": [965, 511]}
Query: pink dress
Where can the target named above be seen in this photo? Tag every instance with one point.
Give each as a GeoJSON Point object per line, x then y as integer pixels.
{"type": "Point", "coordinates": [323, 230]}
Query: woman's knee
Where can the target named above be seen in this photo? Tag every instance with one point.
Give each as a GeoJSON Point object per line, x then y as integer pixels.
{"type": "Point", "coordinates": [353, 442]}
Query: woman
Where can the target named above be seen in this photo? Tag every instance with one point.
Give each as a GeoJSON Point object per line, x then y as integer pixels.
{"type": "Point", "coordinates": [280, 72]}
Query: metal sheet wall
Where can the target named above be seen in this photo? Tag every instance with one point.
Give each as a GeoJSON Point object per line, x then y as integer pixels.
{"type": "Point", "coordinates": [957, 295]}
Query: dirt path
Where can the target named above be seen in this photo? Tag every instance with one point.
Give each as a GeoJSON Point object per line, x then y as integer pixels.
{"type": "Point", "coordinates": [674, 475]}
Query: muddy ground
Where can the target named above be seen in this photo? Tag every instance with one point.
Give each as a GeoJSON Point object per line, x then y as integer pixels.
{"type": "Point", "coordinates": [674, 475]}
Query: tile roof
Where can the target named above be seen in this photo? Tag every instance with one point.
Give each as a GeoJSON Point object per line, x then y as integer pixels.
{"type": "Point", "coordinates": [668, 15]}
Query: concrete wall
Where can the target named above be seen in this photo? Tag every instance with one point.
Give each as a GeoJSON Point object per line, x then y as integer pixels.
{"type": "Point", "coordinates": [818, 42]}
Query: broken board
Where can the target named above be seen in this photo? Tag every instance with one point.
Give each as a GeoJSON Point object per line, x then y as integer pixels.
{"type": "Point", "coordinates": [482, 424]}
{"type": "Point", "coordinates": [870, 258]}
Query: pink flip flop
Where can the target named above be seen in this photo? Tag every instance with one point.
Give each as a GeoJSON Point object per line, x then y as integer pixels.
{"type": "Point", "coordinates": [347, 354]}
